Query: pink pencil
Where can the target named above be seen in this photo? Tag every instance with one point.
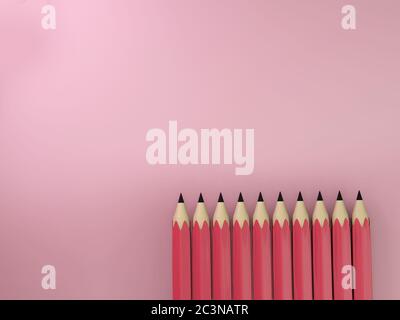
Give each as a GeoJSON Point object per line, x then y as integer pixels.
{"type": "Point", "coordinates": [282, 252]}
{"type": "Point", "coordinates": [201, 256]}
{"type": "Point", "coordinates": [181, 288]}
{"type": "Point", "coordinates": [341, 248]}
{"type": "Point", "coordinates": [241, 254]}
{"type": "Point", "coordinates": [302, 262]}
{"type": "Point", "coordinates": [322, 262]}
{"type": "Point", "coordinates": [362, 251]}
{"type": "Point", "coordinates": [221, 253]}
{"type": "Point", "coordinates": [262, 274]}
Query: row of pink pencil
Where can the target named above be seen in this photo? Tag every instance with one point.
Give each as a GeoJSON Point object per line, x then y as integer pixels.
{"type": "Point", "coordinates": [290, 260]}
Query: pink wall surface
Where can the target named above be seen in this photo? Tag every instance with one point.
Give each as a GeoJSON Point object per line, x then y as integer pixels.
{"type": "Point", "coordinates": [76, 191]}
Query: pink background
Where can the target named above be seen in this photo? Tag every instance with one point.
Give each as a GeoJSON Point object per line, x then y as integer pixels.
{"type": "Point", "coordinates": [76, 103]}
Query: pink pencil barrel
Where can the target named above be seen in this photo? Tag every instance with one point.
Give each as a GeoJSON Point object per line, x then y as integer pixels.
{"type": "Point", "coordinates": [302, 258]}
{"type": "Point", "coordinates": [322, 262]}
{"type": "Point", "coordinates": [362, 251]}
{"type": "Point", "coordinates": [201, 254]}
{"type": "Point", "coordinates": [262, 261]}
{"type": "Point", "coordinates": [221, 253]}
{"type": "Point", "coordinates": [241, 254]}
{"type": "Point", "coordinates": [341, 248]}
{"type": "Point", "coordinates": [282, 253]}
{"type": "Point", "coordinates": [181, 283]}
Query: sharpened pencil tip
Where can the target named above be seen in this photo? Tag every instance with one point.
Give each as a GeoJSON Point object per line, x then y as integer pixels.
{"type": "Point", "coordinates": [299, 197]}
{"type": "Point", "coordinates": [339, 197]}
{"type": "Point", "coordinates": [220, 198]}
{"type": "Point", "coordinates": [260, 198]}
{"type": "Point", "coordinates": [319, 196]}
{"type": "Point", "coordinates": [280, 198]}
{"type": "Point", "coordinates": [359, 197]}
{"type": "Point", "coordinates": [180, 198]}
{"type": "Point", "coordinates": [240, 197]}
{"type": "Point", "coordinates": [201, 198]}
